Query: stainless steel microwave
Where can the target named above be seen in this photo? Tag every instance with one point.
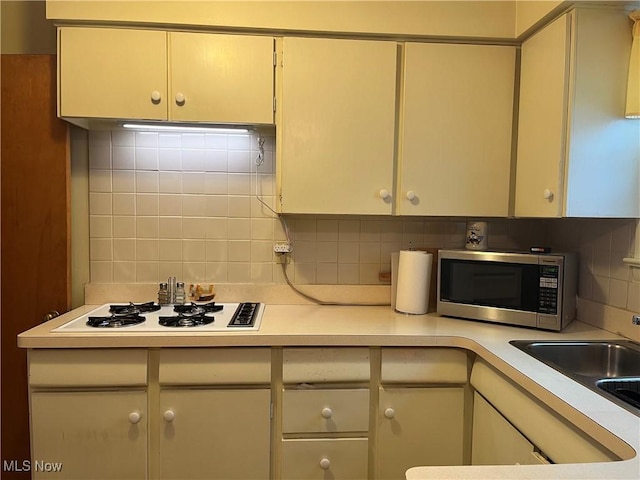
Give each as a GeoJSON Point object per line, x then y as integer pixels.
{"type": "Point", "coordinates": [523, 289]}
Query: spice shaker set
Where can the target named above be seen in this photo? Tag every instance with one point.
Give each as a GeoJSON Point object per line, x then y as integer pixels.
{"type": "Point", "coordinates": [171, 292]}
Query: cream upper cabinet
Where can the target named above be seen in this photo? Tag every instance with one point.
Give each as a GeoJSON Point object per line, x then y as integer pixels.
{"type": "Point", "coordinates": [456, 130]}
{"type": "Point", "coordinates": [155, 75]}
{"type": "Point", "coordinates": [577, 154]}
{"type": "Point", "coordinates": [227, 78]}
{"type": "Point", "coordinates": [112, 73]}
{"type": "Point", "coordinates": [336, 126]}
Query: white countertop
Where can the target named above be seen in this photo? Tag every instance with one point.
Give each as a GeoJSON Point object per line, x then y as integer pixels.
{"type": "Point", "coordinates": [308, 325]}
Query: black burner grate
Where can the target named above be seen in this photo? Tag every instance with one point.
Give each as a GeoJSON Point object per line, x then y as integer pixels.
{"type": "Point", "coordinates": [183, 320]}
{"type": "Point", "coordinates": [115, 321]}
{"type": "Point", "coordinates": [197, 309]}
{"type": "Point", "coordinates": [134, 308]}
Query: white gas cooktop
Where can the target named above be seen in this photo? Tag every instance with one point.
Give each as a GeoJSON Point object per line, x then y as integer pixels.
{"type": "Point", "coordinates": [151, 317]}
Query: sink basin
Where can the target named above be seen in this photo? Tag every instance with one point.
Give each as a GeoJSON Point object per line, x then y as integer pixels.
{"type": "Point", "coordinates": [610, 368]}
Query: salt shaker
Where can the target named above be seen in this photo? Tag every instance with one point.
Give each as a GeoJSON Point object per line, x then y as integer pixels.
{"type": "Point", "coordinates": [163, 294]}
{"type": "Point", "coordinates": [180, 293]}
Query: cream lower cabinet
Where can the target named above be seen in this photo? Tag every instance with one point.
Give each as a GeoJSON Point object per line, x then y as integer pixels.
{"type": "Point", "coordinates": [88, 413]}
{"type": "Point", "coordinates": [456, 130]}
{"type": "Point", "coordinates": [214, 414]}
{"type": "Point", "coordinates": [336, 124]}
{"type": "Point", "coordinates": [90, 434]}
{"type": "Point", "coordinates": [577, 155]}
{"type": "Point", "coordinates": [157, 75]}
{"type": "Point", "coordinates": [496, 442]}
{"type": "Point", "coordinates": [215, 433]}
{"type": "Point", "coordinates": [421, 417]}
{"type": "Point", "coordinates": [325, 414]}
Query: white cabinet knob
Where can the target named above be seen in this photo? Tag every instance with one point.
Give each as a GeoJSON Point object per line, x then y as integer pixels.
{"type": "Point", "coordinates": [411, 195]}
{"type": "Point", "coordinates": [384, 194]}
{"type": "Point", "coordinates": [325, 463]}
{"type": "Point", "coordinates": [155, 97]}
{"type": "Point", "coordinates": [548, 194]}
{"type": "Point", "coordinates": [169, 415]}
{"type": "Point", "coordinates": [134, 417]}
{"type": "Point", "coordinates": [180, 99]}
{"type": "Point", "coordinates": [326, 413]}
{"type": "Point", "coordinates": [389, 413]}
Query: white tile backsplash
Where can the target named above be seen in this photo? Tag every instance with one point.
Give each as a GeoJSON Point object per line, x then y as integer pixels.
{"type": "Point", "coordinates": [184, 204]}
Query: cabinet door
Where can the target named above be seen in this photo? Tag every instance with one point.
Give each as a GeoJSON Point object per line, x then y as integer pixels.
{"type": "Point", "coordinates": [112, 73]}
{"type": "Point", "coordinates": [419, 426]}
{"type": "Point", "coordinates": [456, 130]}
{"type": "Point", "coordinates": [337, 124]}
{"type": "Point", "coordinates": [92, 434]}
{"type": "Point", "coordinates": [542, 127]}
{"type": "Point", "coordinates": [222, 78]}
{"type": "Point", "coordinates": [215, 434]}
{"type": "Point", "coordinates": [495, 441]}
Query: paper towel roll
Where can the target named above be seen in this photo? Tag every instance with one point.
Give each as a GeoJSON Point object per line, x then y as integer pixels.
{"type": "Point", "coordinates": [395, 261]}
{"type": "Point", "coordinates": [414, 278]}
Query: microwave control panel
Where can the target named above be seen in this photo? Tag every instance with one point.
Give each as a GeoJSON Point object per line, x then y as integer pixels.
{"type": "Point", "coordinates": [548, 299]}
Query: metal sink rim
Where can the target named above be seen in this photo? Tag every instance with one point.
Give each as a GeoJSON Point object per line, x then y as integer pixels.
{"type": "Point", "coordinates": [591, 382]}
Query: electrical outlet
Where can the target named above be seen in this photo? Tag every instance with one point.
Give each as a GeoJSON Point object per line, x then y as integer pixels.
{"type": "Point", "coordinates": [283, 248]}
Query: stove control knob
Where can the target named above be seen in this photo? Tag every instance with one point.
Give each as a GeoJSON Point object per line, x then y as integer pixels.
{"type": "Point", "coordinates": [389, 413]}
{"type": "Point", "coordinates": [326, 413]}
{"type": "Point", "coordinates": [169, 415]}
{"type": "Point", "coordinates": [134, 417]}
{"type": "Point", "coordinates": [325, 463]}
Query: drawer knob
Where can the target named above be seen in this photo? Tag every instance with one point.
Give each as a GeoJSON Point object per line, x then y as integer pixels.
{"type": "Point", "coordinates": [169, 415]}
{"type": "Point", "coordinates": [384, 194]}
{"type": "Point", "coordinates": [325, 463]}
{"type": "Point", "coordinates": [134, 417]}
{"type": "Point", "coordinates": [389, 413]}
{"type": "Point", "coordinates": [548, 194]}
{"type": "Point", "coordinates": [180, 99]}
{"type": "Point", "coordinates": [326, 413]}
{"type": "Point", "coordinates": [411, 195]}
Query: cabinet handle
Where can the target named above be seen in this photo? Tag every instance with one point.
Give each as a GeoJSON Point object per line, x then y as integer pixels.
{"type": "Point", "coordinates": [134, 417]}
{"type": "Point", "coordinates": [411, 195]}
{"type": "Point", "coordinates": [180, 99]}
{"type": "Point", "coordinates": [389, 413]}
{"type": "Point", "coordinates": [325, 463]}
{"type": "Point", "coordinates": [384, 194]}
{"type": "Point", "coordinates": [326, 413]}
{"type": "Point", "coordinates": [169, 415]}
{"type": "Point", "coordinates": [548, 194]}
{"type": "Point", "coordinates": [156, 98]}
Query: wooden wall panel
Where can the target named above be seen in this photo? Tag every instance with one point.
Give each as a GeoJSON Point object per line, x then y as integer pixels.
{"type": "Point", "coordinates": [35, 249]}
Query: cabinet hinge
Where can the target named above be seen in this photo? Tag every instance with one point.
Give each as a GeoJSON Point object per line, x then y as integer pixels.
{"type": "Point", "coordinates": [274, 104]}
{"type": "Point", "coordinates": [271, 410]}
{"type": "Point", "coordinates": [275, 59]}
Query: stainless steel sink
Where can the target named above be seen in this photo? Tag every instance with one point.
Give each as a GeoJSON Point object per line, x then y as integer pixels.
{"type": "Point", "coordinates": [610, 368]}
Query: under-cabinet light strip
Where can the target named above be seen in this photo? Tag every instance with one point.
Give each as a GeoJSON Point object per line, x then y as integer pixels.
{"type": "Point", "coordinates": [185, 128]}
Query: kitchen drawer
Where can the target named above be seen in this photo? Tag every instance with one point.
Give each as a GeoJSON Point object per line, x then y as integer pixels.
{"type": "Point", "coordinates": [325, 365]}
{"type": "Point", "coordinates": [424, 365]}
{"type": "Point", "coordinates": [333, 458]}
{"type": "Point", "coordinates": [88, 368]}
{"type": "Point", "coordinates": [325, 410]}
{"type": "Point", "coordinates": [215, 366]}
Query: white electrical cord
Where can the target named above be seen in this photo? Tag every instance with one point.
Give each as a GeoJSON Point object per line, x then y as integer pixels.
{"type": "Point", "coordinates": [259, 163]}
